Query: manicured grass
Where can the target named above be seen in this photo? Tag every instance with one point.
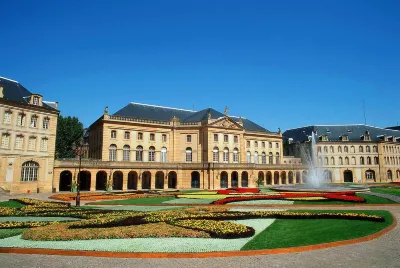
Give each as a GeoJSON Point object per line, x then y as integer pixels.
{"type": "Point", "coordinates": [4, 233]}
{"type": "Point", "coordinates": [294, 233]}
{"type": "Point", "coordinates": [369, 199]}
{"type": "Point", "coordinates": [146, 201]}
{"type": "Point", "coordinates": [392, 191]}
{"type": "Point", "coordinates": [11, 204]}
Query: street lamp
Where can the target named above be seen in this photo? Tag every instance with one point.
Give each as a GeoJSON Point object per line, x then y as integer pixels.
{"type": "Point", "coordinates": [79, 150]}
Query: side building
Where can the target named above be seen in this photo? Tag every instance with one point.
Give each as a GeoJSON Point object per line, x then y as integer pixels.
{"type": "Point", "coordinates": [28, 127]}
{"type": "Point", "coordinates": [145, 146]}
{"type": "Point", "coordinates": [350, 153]}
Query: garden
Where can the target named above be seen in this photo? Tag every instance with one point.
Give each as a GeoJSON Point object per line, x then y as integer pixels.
{"type": "Point", "coordinates": [29, 223]}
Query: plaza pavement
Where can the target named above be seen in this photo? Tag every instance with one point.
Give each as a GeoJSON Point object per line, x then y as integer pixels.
{"type": "Point", "coordinates": [381, 252]}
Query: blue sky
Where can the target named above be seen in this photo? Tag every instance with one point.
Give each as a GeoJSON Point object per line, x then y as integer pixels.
{"type": "Point", "coordinates": [279, 63]}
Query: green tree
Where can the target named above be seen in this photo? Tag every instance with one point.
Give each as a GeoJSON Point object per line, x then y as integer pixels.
{"type": "Point", "coordinates": [69, 132]}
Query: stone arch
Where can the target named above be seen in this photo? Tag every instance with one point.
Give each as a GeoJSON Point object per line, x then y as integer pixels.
{"type": "Point", "coordinates": [245, 179]}
{"type": "Point", "coordinates": [172, 180]}
{"type": "Point", "coordinates": [146, 180]}
{"type": "Point", "coordinates": [224, 180]}
{"type": "Point", "coordinates": [389, 175]}
{"type": "Point", "coordinates": [65, 181]}
{"type": "Point", "coordinates": [117, 180]}
{"type": "Point", "coordinates": [398, 174]}
{"type": "Point", "coordinates": [269, 178]}
{"type": "Point", "coordinates": [159, 180]}
{"type": "Point", "coordinates": [260, 180]}
{"type": "Point", "coordinates": [84, 178]}
{"type": "Point", "coordinates": [348, 176]}
{"type": "Point", "coordinates": [290, 177]}
{"type": "Point", "coordinates": [195, 179]}
{"type": "Point", "coordinates": [132, 180]}
{"type": "Point", "coordinates": [283, 177]}
{"type": "Point", "coordinates": [276, 178]}
{"type": "Point", "coordinates": [101, 180]}
{"type": "Point", "coordinates": [234, 179]}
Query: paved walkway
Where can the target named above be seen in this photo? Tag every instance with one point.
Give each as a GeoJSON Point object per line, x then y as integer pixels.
{"type": "Point", "coordinates": [381, 252]}
{"type": "Point", "coordinates": [394, 198]}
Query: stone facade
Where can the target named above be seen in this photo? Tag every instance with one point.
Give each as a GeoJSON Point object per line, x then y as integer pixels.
{"type": "Point", "coordinates": [28, 134]}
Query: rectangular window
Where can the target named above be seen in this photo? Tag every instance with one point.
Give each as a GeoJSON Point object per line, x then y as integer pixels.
{"type": "Point", "coordinates": [32, 144]}
{"type": "Point", "coordinates": [5, 141]}
{"type": "Point", "coordinates": [152, 136]}
{"type": "Point", "coordinates": [34, 120]}
{"type": "Point", "coordinates": [43, 146]}
{"type": "Point", "coordinates": [215, 156]}
{"type": "Point", "coordinates": [127, 135]}
{"type": "Point", "coordinates": [226, 157]}
{"type": "Point", "coordinates": [19, 142]}
{"type": "Point", "coordinates": [235, 139]}
{"type": "Point", "coordinates": [256, 144]}
{"type": "Point", "coordinates": [226, 138]}
{"type": "Point", "coordinates": [235, 157]}
{"type": "Point", "coordinates": [21, 120]}
{"type": "Point", "coordinates": [263, 144]}
{"type": "Point", "coordinates": [248, 143]}
{"type": "Point", "coordinates": [215, 137]}
{"type": "Point", "coordinates": [140, 136]}
{"type": "Point", "coordinates": [277, 145]}
{"type": "Point", "coordinates": [164, 138]}
{"type": "Point", "coordinates": [189, 138]}
{"type": "Point", "coordinates": [270, 145]}
{"type": "Point", "coordinates": [35, 100]}
{"type": "Point", "coordinates": [46, 122]}
{"type": "Point", "coordinates": [113, 134]}
{"type": "Point", "coordinates": [188, 155]}
{"type": "Point", "coordinates": [7, 117]}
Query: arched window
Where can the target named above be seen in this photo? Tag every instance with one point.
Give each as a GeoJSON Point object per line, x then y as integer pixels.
{"type": "Point", "coordinates": [263, 158]}
{"type": "Point", "coordinates": [352, 149]}
{"type": "Point", "coordinates": [398, 174]}
{"type": "Point", "coordinates": [188, 154]}
{"type": "Point", "coordinates": [319, 161]}
{"type": "Point", "coordinates": [215, 155]}
{"type": "Point", "coordinates": [163, 154]}
{"type": "Point", "coordinates": [375, 149]}
{"type": "Point", "coordinates": [368, 149]}
{"type": "Point", "coordinates": [319, 149]}
{"type": "Point", "coordinates": [29, 171]}
{"type": "Point", "coordinates": [332, 149]}
{"type": "Point", "coordinates": [248, 157]}
{"type": "Point", "coordinates": [339, 149]}
{"type": "Point", "coordinates": [370, 174]}
{"type": "Point", "coordinates": [271, 159]}
{"type": "Point", "coordinates": [152, 154]}
{"type": "Point", "coordinates": [389, 175]}
{"type": "Point", "coordinates": [332, 161]}
{"type": "Point", "coordinates": [126, 153]}
{"type": "Point", "coordinates": [369, 160]}
{"type": "Point", "coordinates": [340, 160]}
{"type": "Point", "coordinates": [326, 161]}
{"type": "Point", "coordinates": [325, 149]}
{"type": "Point", "coordinates": [353, 160]}
{"type": "Point", "coordinates": [361, 149]}
{"type": "Point", "coordinates": [255, 157]}
{"type": "Point", "coordinates": [139, 153]}
{"type": "Point", "coordinates": [226, 155]}
{"type": "Point", "coordinates": [376, 160]}
{"type": "Point", "coordinates": [346, 161]}
{"type": "Point", "coordinates": [346, 149]}
{"type": "Point", "coordinates": [277, 159]}
{"type": "Point", "coordinates": [113, 152]}
{"type": "Point", "coordinates": [362, 160]}
{"type": "Point", "coordinates": [235, 155]}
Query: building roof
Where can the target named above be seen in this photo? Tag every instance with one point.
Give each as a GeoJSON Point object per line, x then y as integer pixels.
{"type": "Point", "coordinates": [334, 132]}
{"type": "Point", "coordinates": [15, 92]}
{"type": "Point", "coordinates": [153, 112]}
{"type": "Point", "coordinates": [394, 128]}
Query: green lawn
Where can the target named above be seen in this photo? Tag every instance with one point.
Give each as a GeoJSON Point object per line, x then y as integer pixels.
{"type": "Point", "coordinates": [370, 199]}
{"type": "Point", "coordinates": [4, 233]}
{"type": "Point", "coordinates": [136, 201]}
{"type": "Point", "coordinates": [294, 233]}
{"type": "Point", "coordinates": [386, 190]}
{"type": "Point", "coordinates": [11, 204]}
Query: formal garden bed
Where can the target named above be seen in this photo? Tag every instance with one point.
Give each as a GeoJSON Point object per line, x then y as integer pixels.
{"type": "Point", "coordinates": [43, 224]}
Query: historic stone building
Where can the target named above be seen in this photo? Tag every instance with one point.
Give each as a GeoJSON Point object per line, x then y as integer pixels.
{"type": "Point", "coordinates": [152, 147]}
{"type": "Point", "coordinates": [28, 127]}
{"type": "Point", "coordinates": [350, 153]}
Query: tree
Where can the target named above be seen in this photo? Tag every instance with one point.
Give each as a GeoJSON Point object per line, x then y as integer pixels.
{"type": "Point", "coordinates": [69, 132]}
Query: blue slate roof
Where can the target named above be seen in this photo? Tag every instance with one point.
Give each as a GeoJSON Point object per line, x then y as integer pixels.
{"type": "Point", "coordinates": [394, 128]}
{"type": "Point", "coordinates": [153, 112]}
{"type": "Point", "coordinates": [15, 92]}
{"type": "Point", "coordinates": [334, 132]}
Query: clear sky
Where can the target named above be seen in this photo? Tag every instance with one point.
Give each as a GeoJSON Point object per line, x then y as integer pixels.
{"type": "Point", "coordinates": [279, 63]}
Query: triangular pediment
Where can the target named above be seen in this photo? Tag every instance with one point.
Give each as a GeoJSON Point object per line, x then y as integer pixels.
{"type": "Point", "coordinates": [226, 122]}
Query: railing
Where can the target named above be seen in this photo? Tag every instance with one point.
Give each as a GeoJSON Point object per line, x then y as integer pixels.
{"type": "Point", "coordinates": [132, 119]}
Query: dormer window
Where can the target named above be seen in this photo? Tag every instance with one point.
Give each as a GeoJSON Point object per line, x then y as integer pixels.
{"type": "Point", "coordinates": [344, 138]}
{"type": "Point", "coordinates": [324, 138]}
{"type": "Point", "coordinates": [366, 136]}
{"type": "Point", "coordinates": [36, 99]}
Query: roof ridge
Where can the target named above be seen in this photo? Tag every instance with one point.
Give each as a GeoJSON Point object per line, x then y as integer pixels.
{"type": "Point", "coordinates": [158, 106]}
{"type": "Point", "coordinates": [9, 79]}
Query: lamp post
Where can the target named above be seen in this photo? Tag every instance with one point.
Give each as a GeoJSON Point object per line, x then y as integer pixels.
{"type": "Point", "coordinates": [79, 150]}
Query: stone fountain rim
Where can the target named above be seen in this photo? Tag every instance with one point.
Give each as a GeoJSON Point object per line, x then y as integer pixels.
{"type": "Point", "coordinates": [330, 189]}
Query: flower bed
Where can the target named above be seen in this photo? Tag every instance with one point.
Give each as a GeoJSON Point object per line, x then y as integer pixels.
{"type": "Point", "coordinates": [238, 190]}
{"type": "Point", "coordinates": [105, 196]}
{"type": "Point", "coordinates": [290, 196]}
{"type": "Point", "coordinates": [41, 203]}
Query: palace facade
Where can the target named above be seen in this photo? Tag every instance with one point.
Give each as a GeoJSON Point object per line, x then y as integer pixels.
{"type": "Point", "coordinates": [350, 153]}
{"type": "Point", "coordinates": [145, 146]}
{"type": "Point", "coordinates": [28, 127]}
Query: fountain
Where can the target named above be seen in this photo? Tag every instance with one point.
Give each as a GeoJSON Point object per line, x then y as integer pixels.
{"type": "Point", "coordinates": [315, 181]}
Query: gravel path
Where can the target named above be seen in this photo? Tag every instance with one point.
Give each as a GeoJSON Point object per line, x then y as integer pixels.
{"type": "Point", "coordinates": [394, 198]}
{"type": "Point", "coordinates": [381, 252]}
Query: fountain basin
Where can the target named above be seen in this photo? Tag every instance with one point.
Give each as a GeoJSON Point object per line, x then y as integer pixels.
{"type": "Point", "coordinates": [323, 189]}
